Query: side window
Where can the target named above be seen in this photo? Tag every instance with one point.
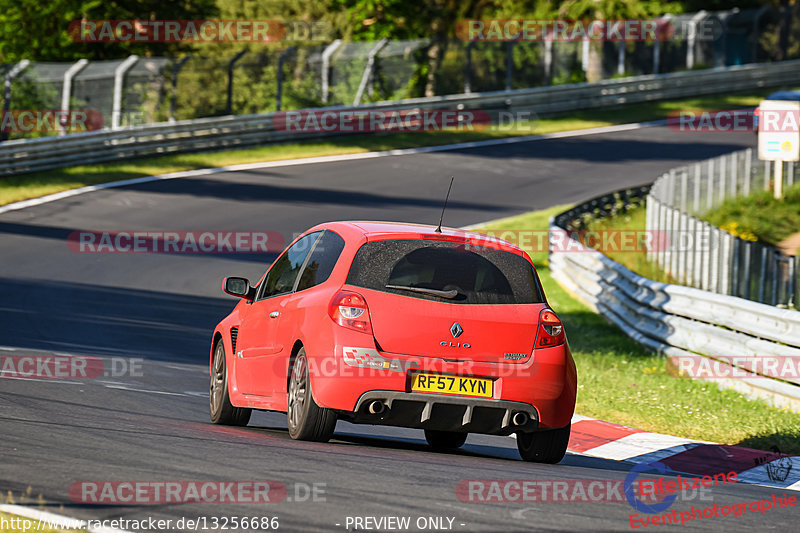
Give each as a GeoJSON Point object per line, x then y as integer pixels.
{"type": "Point", "coordinates": [322, 260]}
{"type": "Point", "coordinates": [281, 277]}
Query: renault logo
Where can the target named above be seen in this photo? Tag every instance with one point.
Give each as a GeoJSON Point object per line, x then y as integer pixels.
{"type": "Point", "coordinates": [456, 330]}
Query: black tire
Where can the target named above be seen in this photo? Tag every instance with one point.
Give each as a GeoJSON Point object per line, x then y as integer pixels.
{"type": "Point", "coordinates": [306, 420]}
{"type": "Point", "coordinates": [219, 403]}
{"type": "Point", "coordinates": [548, 446]}
{"type": "Point", "coordinates": [445, 440]}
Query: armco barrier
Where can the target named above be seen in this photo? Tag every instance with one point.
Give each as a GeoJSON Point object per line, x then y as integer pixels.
{"type": "Point", "coordinates": [677, 321]}
{"type": "Point", "coordinates": [218, 133]}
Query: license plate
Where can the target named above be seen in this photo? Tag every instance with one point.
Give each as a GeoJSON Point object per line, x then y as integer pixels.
{"type": "Point", "coordinates": [462, 386]}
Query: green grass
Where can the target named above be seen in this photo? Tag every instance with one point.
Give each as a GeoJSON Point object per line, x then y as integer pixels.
{"type": "Point", "coordinates": [634, 258]}
{"type": "Point", "coordinates": [760, 215]}
{"type": "Point", "coordinates": [33, 185]}
{"type": "Point", "coordinates": [621, 382]}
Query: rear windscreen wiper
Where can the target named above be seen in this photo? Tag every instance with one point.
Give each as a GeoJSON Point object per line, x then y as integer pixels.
{"type": "Point", "coordinates": [452, 293]}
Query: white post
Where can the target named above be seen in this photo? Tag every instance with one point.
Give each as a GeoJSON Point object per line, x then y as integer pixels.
{"type": "Point", "coordinates": [119, 76]}
{"type": "Point", "coordinates": [778, 180]}
{"type": "Point", "coordinates": [326, 64]}
{"type": "Point", "coordinates": [66, 91]}
{"type": "Point", "coordinates": [368, 69]}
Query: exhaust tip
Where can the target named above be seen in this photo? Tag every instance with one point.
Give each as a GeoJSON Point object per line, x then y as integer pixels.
{"type": "Point", "coordinates": [376, 407]}
{"type": "Point", "coordinates": [520, 418]}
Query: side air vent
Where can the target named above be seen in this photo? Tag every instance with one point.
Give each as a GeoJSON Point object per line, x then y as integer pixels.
{"type": "Point", "coordinates": [234, 334]}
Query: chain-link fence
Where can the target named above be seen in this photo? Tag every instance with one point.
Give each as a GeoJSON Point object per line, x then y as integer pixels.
{"type": "Point", "coordinates": [700, 255]}
{"type": "Point", "coordinates": [156, 89]}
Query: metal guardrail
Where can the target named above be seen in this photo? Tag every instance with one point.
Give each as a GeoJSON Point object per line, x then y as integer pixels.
{"type": "Point", "coordinates": [711, 258]}
{"type": "Point", "coordinates": [218, 133]}
{"type": "Point", "coordinates": [677, 321]}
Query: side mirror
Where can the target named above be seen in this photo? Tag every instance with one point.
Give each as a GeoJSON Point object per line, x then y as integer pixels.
{"type": "Point", "coordinates": [240, 287]}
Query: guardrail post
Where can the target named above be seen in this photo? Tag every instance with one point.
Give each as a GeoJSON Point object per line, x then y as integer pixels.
{"type": "Point", "coordinates": [468, 68]}
{"type": "Point", "coordinates": [326, 68]}
{"type": "Point", "coordinates": [119, 78]}
{"type": "Point", "coordinates": [13, 73]}
{"type": "Point", "coordinates": [281, 60]}
{"type": "Point", "coordinates": [66, 90]}
{"type": "Point", "coordinates": [365, 78]}
{"type": "Point", "coordinates": [231, 65]}
{"type": "Point", "coordinates": [173, 106]}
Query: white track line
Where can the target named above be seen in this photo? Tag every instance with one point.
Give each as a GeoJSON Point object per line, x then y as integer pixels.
{"type": "Point", "coordinates": [325, 159]}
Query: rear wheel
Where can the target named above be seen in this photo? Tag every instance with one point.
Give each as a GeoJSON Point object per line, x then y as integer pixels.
{"type": "Point", "coordinates": [547, 446]}
{"type": "Point", "coordinates": [220, 407]}
{"type": "Point", "coordinates": [445, 440]}
{"type": "Point", "coordinates": [307, 420]}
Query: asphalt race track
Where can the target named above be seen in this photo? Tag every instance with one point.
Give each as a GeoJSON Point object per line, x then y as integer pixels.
{"type": "Point", "coordinates": [156, 311]}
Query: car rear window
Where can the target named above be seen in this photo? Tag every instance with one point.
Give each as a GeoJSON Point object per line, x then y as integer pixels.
{"type": "Point", "coordinates": [464, 275]}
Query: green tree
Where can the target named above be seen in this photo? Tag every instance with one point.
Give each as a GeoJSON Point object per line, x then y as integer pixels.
{"type": "Point", "coordinates": [36, 30]}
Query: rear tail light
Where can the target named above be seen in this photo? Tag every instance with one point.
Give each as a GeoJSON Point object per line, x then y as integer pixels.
{"type": "Point", "coordinates": [349, 310]}
{"type": "Point", "coordinates": [551, 330]}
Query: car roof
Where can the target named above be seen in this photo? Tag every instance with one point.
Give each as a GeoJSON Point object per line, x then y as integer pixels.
{"type": "Point", "coordinates": [378, 230]}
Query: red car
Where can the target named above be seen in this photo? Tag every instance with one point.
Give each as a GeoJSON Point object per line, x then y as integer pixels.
{"type": "Point", "coordinates": [398, 324]}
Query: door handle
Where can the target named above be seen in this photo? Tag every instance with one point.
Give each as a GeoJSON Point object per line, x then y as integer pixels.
{"type": "Point", "coordinates": [274, 314]}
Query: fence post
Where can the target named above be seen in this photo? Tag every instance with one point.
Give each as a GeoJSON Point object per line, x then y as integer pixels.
{"type": "Point", "coordinates": [548, 57]}
{"type": "Point", "coordinates": [790, 174]}
{"type": "Point", "coordinates": [66, 91]}
{"type": "Point", "coordinates": [468, 68]}
{"type": "Point", "coordinates": [735, 267]}
{"type": "Point", "coordinates": [734, 174]}
{"type": "Point", "coordinates": [326, 68]}
{"type": "Point", "coordinates": [748, 177]}
{"type": "Point", "coordinates": [762, 274]}
{"type": "Point", "coordinates": [368, 69]}
{"type": "Point", "coordinates": [119, 78]}
{"type": "Point", "coordinates": [509, 63]}
{"type": "Point", "coordinates": [748, 252]}
{"type": "Point", "coordinates": [723, 189]}
{"type": "Point", "coordinates": [766, 175]}
{"type": "Point", "coordinates": [710, 196]}
{"type": "Point", "coordinates": [231, 65]}
{"type": "Point", "coordinates": [281, 60]}
{"type": "Point", "coordinates": [13, 73]}
{"type": "Point", "coordinates": [173, 105]}
{"type": "Point", "coordinates": [696, 201]}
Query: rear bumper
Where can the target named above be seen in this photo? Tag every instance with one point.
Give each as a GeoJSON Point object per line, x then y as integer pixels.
{"type": "Point", "coordinates": [544, 387]}
{"type": "Point", "coordinates": [444, 413]}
